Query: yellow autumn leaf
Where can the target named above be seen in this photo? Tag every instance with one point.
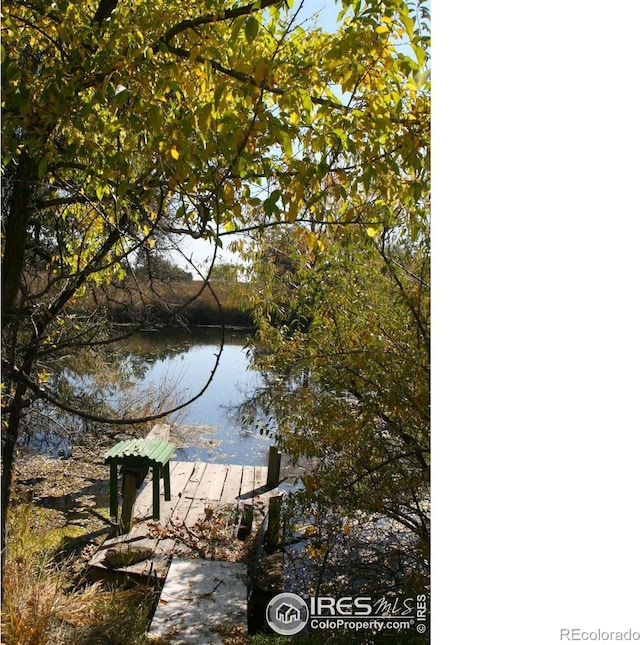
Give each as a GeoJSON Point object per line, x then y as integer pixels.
{"type": "Point", "coordinates": [260, 71]}
{"type": "Point", "coordinates": [228, 193]}
{"type": "Point", "coordinates": [174, 153]}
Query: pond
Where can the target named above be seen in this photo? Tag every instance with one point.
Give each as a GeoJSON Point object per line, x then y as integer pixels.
{"type": "Point", "coordinates": [181, 360]}
{"type": "Point", "coordinates": [210, 429]}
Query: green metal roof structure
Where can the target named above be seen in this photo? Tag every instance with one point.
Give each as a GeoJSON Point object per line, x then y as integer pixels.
{"type": "Point", "coordinates": [153, 450]}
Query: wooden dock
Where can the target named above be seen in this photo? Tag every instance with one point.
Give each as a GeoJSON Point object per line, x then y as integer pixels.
{"type": "Point", "coordinates": [195, 487]}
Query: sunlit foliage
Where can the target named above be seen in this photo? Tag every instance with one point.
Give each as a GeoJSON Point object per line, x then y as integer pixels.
{"type": "Point", "coordinates": [344, 339]}
{"type": "Point", "coordinates": [124, 122]}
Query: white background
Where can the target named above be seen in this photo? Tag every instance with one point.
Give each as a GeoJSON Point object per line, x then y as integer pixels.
{"type": "Point", "coordinates": [536, 320]}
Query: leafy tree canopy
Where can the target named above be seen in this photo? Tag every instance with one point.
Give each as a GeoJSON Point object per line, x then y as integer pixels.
{"type": "Point", "coordinates": [123, 122]}
{"type": "Point", "coordinates": [196, 118]}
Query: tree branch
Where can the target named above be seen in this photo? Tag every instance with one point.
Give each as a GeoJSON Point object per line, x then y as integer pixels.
{"type": "Point", "coordinates": [228, 14]}
{"type": "Point", "coordinates": [17, 375]}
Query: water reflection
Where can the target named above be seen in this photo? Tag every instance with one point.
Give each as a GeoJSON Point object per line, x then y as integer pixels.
{"type": "Point", "coordinates": [209, 429]}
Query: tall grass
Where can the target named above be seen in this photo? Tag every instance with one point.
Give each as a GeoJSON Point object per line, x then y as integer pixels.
{"type": "Point", "coordinates": [161, 302]}
{"type": "Point", "coordinates": [41, 606]}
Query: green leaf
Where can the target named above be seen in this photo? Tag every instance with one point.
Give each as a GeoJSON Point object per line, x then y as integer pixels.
{"type": "Point", "coordinates": [366, 176]}
{"type": "Point", "coordinates": [42, 167]}
{"type": "Point", "coordinates": [342, 135]}
{"type": "Point", "coordinates": [286, 143]}
{"type": "Point", "coordinates": [307, 104]}
{"type": "Point", "coordinates": [156, 118]}
{"type": "Point", "coordinates": [217, 94]}
{"type": "Point", "coordinates": [204, 117]}
{"type": "Point", "coordinates": [237, 25]}
{"type": "Point", "coordinates": [251, 27]}
{"type": "Point", "coordinates": [270, 205]}
{"type": "Point", "coordinates": [407, 23]}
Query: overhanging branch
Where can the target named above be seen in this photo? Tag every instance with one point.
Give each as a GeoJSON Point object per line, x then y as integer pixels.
{"type": "Point", "coordinates": [14, 373]}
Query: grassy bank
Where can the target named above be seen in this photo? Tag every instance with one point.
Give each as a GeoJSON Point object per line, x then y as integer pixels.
{"type": "Point", "coordinates": [159, 302]}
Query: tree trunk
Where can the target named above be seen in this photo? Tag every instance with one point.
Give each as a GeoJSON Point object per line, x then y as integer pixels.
{"type": "Point", "coordinates": [15, 233]}
{"type": "Point", "coordinates": [8, 454]}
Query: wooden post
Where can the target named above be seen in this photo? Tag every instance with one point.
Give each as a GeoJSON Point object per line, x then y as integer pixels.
{"type": "Point", "coordinates": [113, 491]}
{"type": "Point", "coordinates": [167, 482]}
{"type": "Point", "coordinates": [129, 490]}
{"type": "Point", "coordinates": [273, 472]}
{"type": "Point", "coordinates": [246, 521]}
{"type": "Point", "coordinates": [156, 492]}
{"type": "Point", "coordinates": [272, 537]}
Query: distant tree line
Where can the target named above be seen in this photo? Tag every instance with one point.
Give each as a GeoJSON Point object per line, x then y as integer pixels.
{"type": "Point", "coordinates": [152, 265]}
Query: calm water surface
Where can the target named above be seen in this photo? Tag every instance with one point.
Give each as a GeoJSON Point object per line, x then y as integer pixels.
{"type": "Point", "coordinates": [210, 429]}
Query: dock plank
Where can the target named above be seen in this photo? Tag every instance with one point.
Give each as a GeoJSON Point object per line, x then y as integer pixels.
{"type": "Point", "coordinates": [261, 476]}
{"type": "Point", "coordinates": [248, 480]}
{"type": "Point", "coordinates": [208, 493]}
{"type": "Point", "coordinates": [200, 598]}
{"type": "Point", "coordinates": [212, 481]}
{"type": "Point", "coordinates": [231, 490]}
{"type": "Point", "coordinates": [186, 497]}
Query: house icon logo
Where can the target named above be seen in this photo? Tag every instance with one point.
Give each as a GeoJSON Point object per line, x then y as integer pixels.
{"type": "Point", "coordinates": [287, 614]}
